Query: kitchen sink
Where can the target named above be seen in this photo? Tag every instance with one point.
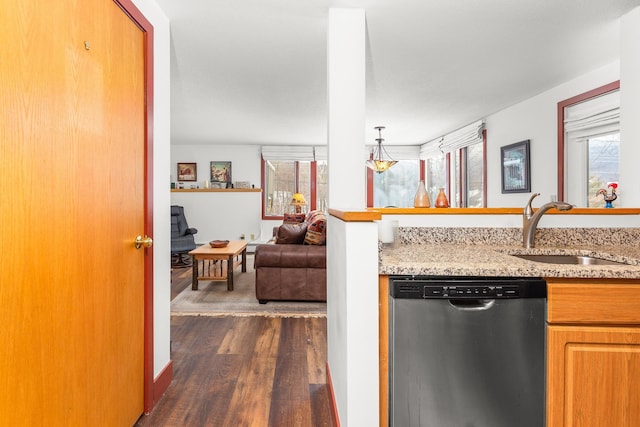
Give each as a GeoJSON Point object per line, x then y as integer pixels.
{"type": "Point", "coordinates": [569, 259]}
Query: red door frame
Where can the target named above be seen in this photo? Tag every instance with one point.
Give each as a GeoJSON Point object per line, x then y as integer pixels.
{"type": "Point", "coordinates": [145, 26]}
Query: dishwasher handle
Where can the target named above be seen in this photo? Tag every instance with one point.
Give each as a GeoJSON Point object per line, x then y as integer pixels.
{"type": "Point", "coordinates": [472, 304]}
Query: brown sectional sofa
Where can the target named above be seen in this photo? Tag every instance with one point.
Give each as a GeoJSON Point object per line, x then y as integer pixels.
{"type": "Point", "coordinates": [291, 269]}
{"type": "Point", "coordinates": [291, 272]}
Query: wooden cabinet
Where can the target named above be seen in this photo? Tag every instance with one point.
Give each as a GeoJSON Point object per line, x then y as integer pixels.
{"type": "Point", "coordinates": [593, 353]}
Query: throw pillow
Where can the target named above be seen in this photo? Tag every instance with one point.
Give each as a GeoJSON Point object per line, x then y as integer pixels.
{"type": "Point", "coordinates": [291, 233]}
{"type": "Point", "coordinates": [311, 214]}
{"type": "Point", "coordinates": [316, 229]}
{"type": "Point", "coordinates": [295, 218]}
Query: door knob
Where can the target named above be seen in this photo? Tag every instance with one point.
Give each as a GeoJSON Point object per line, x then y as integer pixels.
{"type": "Point", "coordinates": [145, 241]}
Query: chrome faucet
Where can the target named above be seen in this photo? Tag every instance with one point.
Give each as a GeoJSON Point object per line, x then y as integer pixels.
{"type": "Point", "coordinates": [530, 219]}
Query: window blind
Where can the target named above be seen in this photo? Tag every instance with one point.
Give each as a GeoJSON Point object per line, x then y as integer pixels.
{"type": "Point", "coordinates": [431, 149]}
{"type": "Point", "coordinates": [595, 117]}
{"type": "Point", "coordinates": [464, 137]}
{"type": "Point", "coordinates": [321, 152]}
{"type": "Point", "coordinates": [300, 153]}
{"type": "Point", "coordinates": [461, 138]}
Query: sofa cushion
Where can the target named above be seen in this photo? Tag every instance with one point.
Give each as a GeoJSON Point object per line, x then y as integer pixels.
{"type": "Point", "coordinates": [290, 256]}
{"type": "Point", "coordinates": [294, 218]}
{"type": "Point", "coordinates": [316, 228]}
{"type": "Point", "coordinates": [291, 272]}
{"type": "Point", "coordinates": [291, 233]}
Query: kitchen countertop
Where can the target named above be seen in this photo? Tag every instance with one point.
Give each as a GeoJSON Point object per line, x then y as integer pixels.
{"type": "Point", "coordinates": [493, 260]}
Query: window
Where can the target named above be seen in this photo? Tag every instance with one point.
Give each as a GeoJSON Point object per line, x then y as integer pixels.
{"type": "Point", "coordinates": [467, 177]}
{"type": "Point", "coordinates": [603, 166]}
{"type": "Point", "coordinates": [455, 162]}
{"type": "Point", "coordinates": [588, 142]}
{"type": "Point", "coordinates": [279, 186]}
{"type": "Point", "coordinates": [435, 175]}
{"type": "Point", "coordinates": [397, 186]}
{"type": "Point", "coordinates": [322, 184]}
{"type": "Point", "coordinates": [462, 170]}
{"type": "Point", "coordinates": [474, 175]}
{"type": "Point", "coordinates": [283, 178]}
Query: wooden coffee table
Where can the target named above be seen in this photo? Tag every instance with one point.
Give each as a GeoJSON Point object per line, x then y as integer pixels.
{"type": "Point", "coordinates": [224, 259]}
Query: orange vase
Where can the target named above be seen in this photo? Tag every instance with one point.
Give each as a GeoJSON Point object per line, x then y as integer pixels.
{"type": "Point", "coordinates": [441, 200]}
{"type": "Point", "coordinates": [421, 199]}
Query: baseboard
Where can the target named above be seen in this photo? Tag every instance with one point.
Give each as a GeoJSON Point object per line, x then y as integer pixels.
{"type": "Point", "coordinates": [332, 399]}
{"type": "Point", "coordinates": [162, 382]}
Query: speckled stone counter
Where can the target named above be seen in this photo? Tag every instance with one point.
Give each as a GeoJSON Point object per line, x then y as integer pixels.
{"type": "Point", "coordinates": [487, 252]}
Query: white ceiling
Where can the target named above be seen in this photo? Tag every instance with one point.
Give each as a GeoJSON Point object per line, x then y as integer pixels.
{"type": "Point", "coordinates": [254, 71]}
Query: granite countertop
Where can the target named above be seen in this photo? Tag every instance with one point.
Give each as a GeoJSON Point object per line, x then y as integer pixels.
{"type": "Point", "coordinates": [486, 257]}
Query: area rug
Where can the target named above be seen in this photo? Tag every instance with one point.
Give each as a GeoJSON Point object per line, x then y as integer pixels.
{"type": "Point", "coordinates": [213, 299]}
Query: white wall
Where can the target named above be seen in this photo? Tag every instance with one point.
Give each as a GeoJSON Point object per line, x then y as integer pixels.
{"type": "Point", "coordinates": [535, 119]}
{"type": "Point", "coordinates": [221, 215]}
{"type": "Point", "coordinates": [245, 161]}
{"type": "Point", "coordinates": [629, 195]}
{"type": "Point", "coordinates": [352, 320]}
{"type": "Point", "coordinates": [161, 132]}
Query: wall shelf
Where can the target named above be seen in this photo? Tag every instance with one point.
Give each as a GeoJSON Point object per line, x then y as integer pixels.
{"type": "Point", "coordinates": [216, 190]}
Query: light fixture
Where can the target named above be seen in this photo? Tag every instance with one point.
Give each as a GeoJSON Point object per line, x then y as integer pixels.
{"type": "Point", "coordinates": [298, 201]}
{"type": "Point", "coordinates": [376, 162]}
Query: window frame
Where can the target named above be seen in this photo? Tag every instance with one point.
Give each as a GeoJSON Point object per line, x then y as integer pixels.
{"type": "Point", "coordinates": [562, 105]}
{"type": "Point", "coordinates": [312, 187]}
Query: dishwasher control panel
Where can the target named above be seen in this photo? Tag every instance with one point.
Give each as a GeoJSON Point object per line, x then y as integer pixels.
{"type": "Point", "coordinates": [415, 287]}
{"type": "Point", "coordinates": [470, 291]}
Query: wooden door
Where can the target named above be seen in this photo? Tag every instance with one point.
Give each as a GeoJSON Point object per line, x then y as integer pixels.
{"type": "Point", "coordinates": [72, 202]}
{"type": "Point", "coordinates": [593, 376]}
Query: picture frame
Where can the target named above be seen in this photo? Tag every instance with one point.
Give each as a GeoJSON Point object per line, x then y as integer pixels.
{"type": "Point", "coordinates": [220, 171]}
{"type": "Point", "coordinates": [516, 167]}
{"type": "Point", "coordinates": [187, 171]}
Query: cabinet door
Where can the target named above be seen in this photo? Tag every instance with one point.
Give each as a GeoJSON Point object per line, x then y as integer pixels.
{"type": "Point", "coordinates": [593, 376]}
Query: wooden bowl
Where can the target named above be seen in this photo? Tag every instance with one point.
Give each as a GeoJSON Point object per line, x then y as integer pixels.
{"type": "Point", "coordinates": [218, 243]}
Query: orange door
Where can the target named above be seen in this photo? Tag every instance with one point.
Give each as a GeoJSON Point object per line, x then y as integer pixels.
{"type": "Point", "coordinates": [71, 203]}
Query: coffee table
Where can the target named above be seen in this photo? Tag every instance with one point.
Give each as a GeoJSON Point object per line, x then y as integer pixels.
{"type": "Point", "coordinates": [229, 255]}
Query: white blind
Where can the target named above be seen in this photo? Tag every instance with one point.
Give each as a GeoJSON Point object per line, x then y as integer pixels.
{"type": "Point", "coordinates": [464, 137]}
{"type": "Point", "coordinates": [594, 117]}
{"type": "Point", "coordinates": [321, 152]}
{"type": "Point", "coordinates": [397, 152]}
{"type": "Point", "coordinates": [431, 149]}
{"type": "Point", "coordinates": [294, 152]}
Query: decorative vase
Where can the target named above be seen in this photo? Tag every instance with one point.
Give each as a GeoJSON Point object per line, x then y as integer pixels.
{"type": "Point", "coordinates": [422, 197]}
{"type": "Point", "coordinates": [441, 200]}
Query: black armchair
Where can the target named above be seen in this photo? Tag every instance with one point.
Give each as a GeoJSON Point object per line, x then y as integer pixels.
{"type": "Point", "coordinates": [182, 240]}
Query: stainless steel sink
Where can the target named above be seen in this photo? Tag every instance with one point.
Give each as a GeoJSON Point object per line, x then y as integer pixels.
{"type": "Point", "coordinates": [568, 259]}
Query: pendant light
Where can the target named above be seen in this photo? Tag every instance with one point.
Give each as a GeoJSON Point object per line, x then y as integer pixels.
{"type": "Point", "coordinates": [376, 162]}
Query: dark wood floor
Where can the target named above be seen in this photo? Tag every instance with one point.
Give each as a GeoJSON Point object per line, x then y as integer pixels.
{"type": "Point", "coordinates": [244, 371]}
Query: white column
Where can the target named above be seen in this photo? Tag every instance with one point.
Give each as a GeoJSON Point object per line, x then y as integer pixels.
{"type": "Point", "coordinates": [352, 320]}
{"type": "Point", "coordinates": [352, 280]}
{"type": "Point", "coordinates": [630, 109]}
{"type": "Point", "coordinates": [346, 106]}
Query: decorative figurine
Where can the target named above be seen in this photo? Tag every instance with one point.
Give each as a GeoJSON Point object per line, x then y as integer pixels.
{"type": "Point", "coordinates": [609, 194]}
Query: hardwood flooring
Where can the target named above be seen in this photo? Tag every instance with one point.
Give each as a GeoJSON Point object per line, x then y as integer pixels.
{"type": "Point", "coordinates": [244, 371]}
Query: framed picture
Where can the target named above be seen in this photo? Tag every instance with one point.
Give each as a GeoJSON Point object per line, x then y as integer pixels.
{"type": "Point", "coordinates": [221, 172]}
{"type": "Point", "coordinates": [516, 172]}
{"type": "Point", "coordinates": [187, 172]}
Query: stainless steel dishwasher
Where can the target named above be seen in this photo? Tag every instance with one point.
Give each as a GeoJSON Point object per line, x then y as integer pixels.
{"type": "Point", "coordinates": [466, 351]}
